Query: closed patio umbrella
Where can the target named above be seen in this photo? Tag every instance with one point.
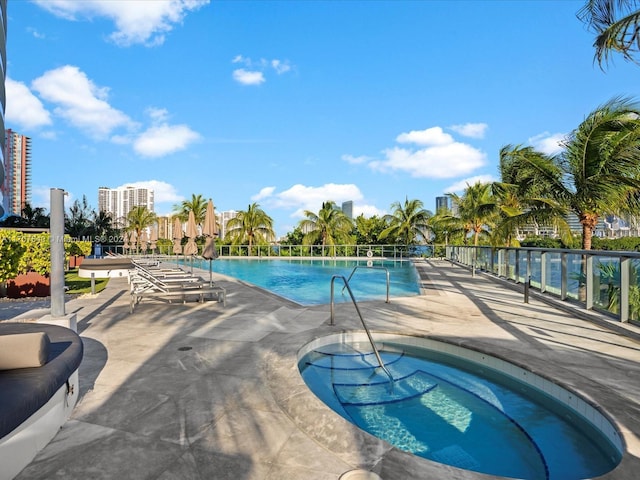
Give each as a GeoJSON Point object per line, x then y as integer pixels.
{"type": "Point", "coordinates": [191, 248]}
{"type": "Point", "coordinates": [210, 231]}
{"type": "Point", "coordinates": [154, 238]}
{"type": "Point", "coordinates": [144, 240]}
{"type": "Point", "coordinates": [125, 245]}
{"type": "Point", "coordinates": [177, 236]}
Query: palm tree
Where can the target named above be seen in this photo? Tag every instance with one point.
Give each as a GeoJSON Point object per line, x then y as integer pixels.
{"type": "Point", "coordinates": [330, 226]}
{"type": "Point", "coordinates": [138, 219]}
{"type": "Point", "coordinates": [598, 171]}
{"type": "Point", "coordinates": [617, 27]}
{"type": "Point", "coordinates": [250, 226]}
{"type": "Point", "coordinates": [102, 223]}
{"type": "Point", "coordinates": [197, 204]}
{"type": "Point", "coordinates": [521, 201]}
{"type": "Point", "coordinates": [477, 211]}
{"type": "Point", "coordinates": [408, 223]}
{"type": "Point", "coordinates": [35, 217]}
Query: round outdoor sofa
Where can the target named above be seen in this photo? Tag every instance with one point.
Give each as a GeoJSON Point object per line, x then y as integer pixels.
{"type": "Point", "coordinates": [38, 388]}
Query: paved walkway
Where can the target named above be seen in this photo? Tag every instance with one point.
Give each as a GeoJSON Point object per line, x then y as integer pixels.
{"type": "Point", "coordinates": [200, 391]}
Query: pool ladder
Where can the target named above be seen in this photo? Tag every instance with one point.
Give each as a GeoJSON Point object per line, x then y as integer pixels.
{"type": "Point", "coordinates": [366, 329]}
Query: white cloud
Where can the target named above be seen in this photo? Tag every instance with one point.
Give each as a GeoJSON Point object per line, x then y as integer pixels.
{"type": "Point", "coordinates": [441, 156]}
{"type": "Point", "coordinates": [79, 101]}
{"type": "Point", "coordinates": [367, 211]}
{"type": "Point", "coordinates": [246, 77]}
{"type": "Point", "coordinates": [472, 130]}
{"type": "Point", "coordinates": [137, 21]}
{"type": "Point", "coordinates": [160, 140]}
{"type": "Point", "coordinates": [266, 192]}
{"type": "Point", "coordinates": [442, 161]}
{"type": "Point", "coordinates": [548, 143]}
{"type": "Point", "coordinates": [254, 71]}
{"type": "Point", "coordinates": [163, 192]}
{"type": "Point", "coordinates": [23, 107]}
{"type": "Point", "coordinates": [460, 186]}
{"type": "Point", "coordinates": [355, 160]}
{"type": "Point", "coordinates": [301, 197]}
{"type": "Point", "coordinates": [431, 136]}
{"type": "Point", "coordinates": [280, 67]}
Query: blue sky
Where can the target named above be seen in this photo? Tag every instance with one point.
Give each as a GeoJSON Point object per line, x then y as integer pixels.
{"type": "Point", "coordinates": [292, 103]}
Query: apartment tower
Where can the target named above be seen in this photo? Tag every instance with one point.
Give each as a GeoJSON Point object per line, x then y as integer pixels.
{"type": "Point", "coordinates": [118, 202]}
{"type": "Point", "coordinates": [16, 188]}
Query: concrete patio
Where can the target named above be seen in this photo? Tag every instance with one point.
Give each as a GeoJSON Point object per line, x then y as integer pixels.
{"type": "Point", "coordinates": [199, 391]}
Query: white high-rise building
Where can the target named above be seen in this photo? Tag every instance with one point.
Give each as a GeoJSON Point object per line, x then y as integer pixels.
{"type": "Point", "coordinates": [119, 201]}
{"type": "Point", "coordinates": [223, 219]}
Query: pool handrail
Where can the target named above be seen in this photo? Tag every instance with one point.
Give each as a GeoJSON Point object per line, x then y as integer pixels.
{"type": "Point", "coordinates": [372, 268]}
{"type": "Point", "coordinates": [366, 329]}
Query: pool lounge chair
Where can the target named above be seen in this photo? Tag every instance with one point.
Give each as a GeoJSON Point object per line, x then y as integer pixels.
{"type": "Point", "coordinates": [144, 283]}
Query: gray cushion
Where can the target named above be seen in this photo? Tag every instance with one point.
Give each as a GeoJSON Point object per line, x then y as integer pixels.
{"type": "Point", "coordinates": [24, 390]}
{"type": "Point", "coordinates": [23, 350]}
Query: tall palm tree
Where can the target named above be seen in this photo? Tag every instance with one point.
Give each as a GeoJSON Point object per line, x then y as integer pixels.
{"type": "Point", "coordinates": [252, 226]}
{"type": "Point", "coordinates": [330, 226]}
{"type": "Point", "coordinates": [477, 210]}
{"type": "Point", "coordinates": [197, 204]}
{"type": "Point", "coordinates": [102, 223]}
{"type": "Point", "coordinates": [617, 27]}
{"type": "Point", "coordinates": [521, 200]}
{"type": "Point", "coordinates": [138, 219]}
{"type": "Point", "coordinates": [408, 222]}
{"type": "Point", "coordinates": [35, 217]}
{"type": "Point", "coordinates": [598, 172]}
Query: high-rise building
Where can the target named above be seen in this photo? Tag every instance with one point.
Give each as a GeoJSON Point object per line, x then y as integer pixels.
{"type": "Point", "coordinates": [223, 218]}
{"type": "Point", "coordinates": [16, 188]}
{"type": "Point", "coordinates": [3, 75]}
{"type": "Point", "coordinates": [120, 201]}
{"type": "Point", "coordinates": [347, 209]}
{"type": "Point", "coordinates": [443, 203]}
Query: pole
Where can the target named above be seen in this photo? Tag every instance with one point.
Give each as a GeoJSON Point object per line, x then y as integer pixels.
{"type": "Point", "coordinates": [57, 252]}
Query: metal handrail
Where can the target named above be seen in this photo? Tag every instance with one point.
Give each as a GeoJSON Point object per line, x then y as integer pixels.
{"type": "Point", "coordinates": [373, 268]}
{"type": "Point", "coordinates": [366, 329]}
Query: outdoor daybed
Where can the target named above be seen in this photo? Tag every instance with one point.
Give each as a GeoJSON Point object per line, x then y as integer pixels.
{"type": "Point", "coordinates": [38, 389]}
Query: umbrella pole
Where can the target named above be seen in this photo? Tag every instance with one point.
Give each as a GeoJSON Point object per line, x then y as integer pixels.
{"type": "Point", "coordinates": [210, 273]}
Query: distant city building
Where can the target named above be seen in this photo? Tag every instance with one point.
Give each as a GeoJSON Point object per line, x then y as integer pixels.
{"type": "Point", "coordinates": [3, 96]}
{"type": "Point", "coordinates": [223, 218]}
{"type": "Point", "coordinates": [347, 209]}
{"type": "Point", "coordinates": [443, 203]}
{"type": "Point", "coordinates": [120, 201]}
{"type": "Point", "coordinates": [16, 187]}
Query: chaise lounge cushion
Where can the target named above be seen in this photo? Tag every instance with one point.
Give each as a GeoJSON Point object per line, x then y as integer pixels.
{"type": "Point", "coordinates": [23, 350]}
{"type": "Point", "coordinates": [24, 391]}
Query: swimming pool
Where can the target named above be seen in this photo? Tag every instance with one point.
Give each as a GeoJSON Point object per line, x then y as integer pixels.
{"type": "Point", "coordinates": [461, 408]}
{"type": "Point", "coordinates": [308, 281]}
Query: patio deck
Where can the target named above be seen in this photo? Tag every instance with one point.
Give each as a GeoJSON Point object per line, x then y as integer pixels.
{"type": "Point", "coordinates": [201, 391]}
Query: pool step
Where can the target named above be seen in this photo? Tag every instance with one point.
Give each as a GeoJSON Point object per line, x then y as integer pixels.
{"type": "Point", "coordinates": [353, 360]}
{"type": "Point", "coordinates": [382, 392]}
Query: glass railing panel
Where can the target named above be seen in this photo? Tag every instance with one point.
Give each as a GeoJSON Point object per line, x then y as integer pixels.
{"type": "Point", "coordinates": [553, 279]}
{"type": "Point", "coordinates": [634, 290]}
{"type": "Point", "coordinates": [511, 264]}
{"type": "Point", "coordinates": [575, 276]}
{"type": "Point", "coordinates": [536, 269]}
{"type": "Point", "coordinates": [522, 267]}
{"type": "Point", "coordinates": [605, 284]}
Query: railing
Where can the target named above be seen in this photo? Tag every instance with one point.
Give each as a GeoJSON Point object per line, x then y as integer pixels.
{"type": "Point", "coordinates": [364, 325]}
{"type": "Point", "coordinates": [386, 270]}
{"type": "Point", "coordinates": [605, 281]}
{"type": "Point", "coordinates": [360, 251]}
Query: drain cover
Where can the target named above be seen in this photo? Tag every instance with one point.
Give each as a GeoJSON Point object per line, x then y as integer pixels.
{"type": "Point", "coordinates": [184, 349]}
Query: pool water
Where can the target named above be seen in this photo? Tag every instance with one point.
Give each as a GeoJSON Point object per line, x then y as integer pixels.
{"type": "Point", "coordinates": [308, 282]}
{"type": "Point", "coordinates": [449, 412]}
